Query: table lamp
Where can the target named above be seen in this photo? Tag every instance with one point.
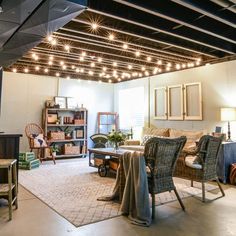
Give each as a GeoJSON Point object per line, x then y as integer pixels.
{"type": "Point", "coordinates": [228, 114]}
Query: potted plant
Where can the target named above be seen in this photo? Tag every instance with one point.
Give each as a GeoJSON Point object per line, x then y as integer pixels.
{"type": "Point", "coordinates": [54, 150]}
{"type": "Point", "coordinates": [115, 137]}
{"type": "Point", "coordinates": [68, 133]}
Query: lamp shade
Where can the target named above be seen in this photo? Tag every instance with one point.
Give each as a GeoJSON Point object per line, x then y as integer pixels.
{"type": "Point", "coordinates": [228, 114]}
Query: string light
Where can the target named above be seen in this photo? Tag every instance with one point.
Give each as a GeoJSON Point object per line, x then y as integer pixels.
{"type": "Point", "coordinates": [178, 66]}
{"type": "Point", "coordinates": [94, 26]}
{"type": "Point", "coordinates": [125, 46]}
{"type": "Point", "coordinates": [183, 66]}
{"type": "Point", "coordinates": [146, 73]}
{"type": "Point", "coordinates": [50, 63]}
{"type": "Point", "coordinates": [119, 79]}
{"type": "Point", "coordinates": [155, 70]}
{"type": "Point", "coordinates": [49, 38]}
{"type": "Point", "coordinates": [92, 64]}
{"type": "Point", "coordinates": [140, 75]}
{"type": "Point", "coordinates": [54, 42]}
{"type": "Point", "coordinates": [14, 70]}
{"type": "Point", "coordinates": [197, 63]}
{"type": "Point", "coordinates": [137, 53]}
{"type": "Point", "coordinates": [159, 70]}
{"type": "Point", "coordinates": [99, 81]}
{"type": "Point", "coordinates": [159, 62]}
{"type": "Point", "coordinates": [57, 74]}
{"type": "Point", "coordinates": [37, 68]}
{"type": "Point", "coordinates": [26, 70]}
{"type": "Point", "coordinates": [114, 64]}
{"type": "Point", "coordinates": [149, 59]}
{"type": "Point", "coordinates": [82, 70]}
{"type": "Point", "coordinates": [130, 67]}
{"type": "Point", "coordinates": [64, 67]}
{"type": "Point", "coordinates": [169, 64]}
{"type": "Point", "coordinates": [99, 59]}
{"type": "Point", "coordinates": [46, 70]}
{"type": "Point", "coordinates": [51, 58]}
{"type": "Point", "coordinates": [167, 68]}
{"type": "Point", "coordinates": [143, 68]}
{"type": "Point", "coordinates": [77, 70]}
{"type": "Point", "coordinates": [91, 73]}
{"type": "Point", "coordinates": [61, 63]}
{"type": "Point", "coordinates": [68, 77]}
{"type": "Point", "coordinates": [83, 53]}
{"type": "Point", "coordinates": [67, 47]}
{"type": "Point", "coordinates": [109, 80]}
{"type": "Point", "coordinates": [111, 36]}
{"type": "Point", "coordinates": [81, 58]}
{"type": "Point", "coordinates": [72, 67]}
{"type": "Point", "coordinates": [104, 68]}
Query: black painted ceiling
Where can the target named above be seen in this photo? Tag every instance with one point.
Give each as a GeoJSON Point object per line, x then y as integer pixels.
{"type": "Point", "coordinates": [150, 37]}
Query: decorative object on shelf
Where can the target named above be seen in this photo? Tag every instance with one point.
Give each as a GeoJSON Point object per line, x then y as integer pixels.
{"type": "Point", "coordinates": [69, 149]}
{"type": "Point", "coordinates": [79, 133]}
{"type": "Point", "coordinates": [61, 101]}
{"type": "Point", "coordinates": [68, 132]}
{"type": "Point", "coordinates": [54, 150]}
{"type": "Point", "coordinates": [56, 135]}
{"type": "Point", "coordinates": [50, 104]}
{"type": "Point", "coordinates": [228, 114]}
{"type": "Point", "coordinates": [115, 137]}
{"type": "Point", "coordinates": [71, 103]}
{"type": "Point", "coordinates": [52, 118]}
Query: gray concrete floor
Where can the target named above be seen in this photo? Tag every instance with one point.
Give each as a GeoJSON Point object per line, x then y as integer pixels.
{"type": "Point", "coordinates": [215, 218]}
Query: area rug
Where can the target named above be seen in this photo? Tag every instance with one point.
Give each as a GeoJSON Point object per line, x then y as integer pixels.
{"type": "Point", "coordinates": [71, 188]}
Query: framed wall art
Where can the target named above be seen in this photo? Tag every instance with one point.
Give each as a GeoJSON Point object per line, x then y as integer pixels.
{"type": "Point", "coordinates": [175, 102]}
{"type": "Point", "coordinates": [61, 101]}
{"type": "Point", "coordinates": [160, 103]}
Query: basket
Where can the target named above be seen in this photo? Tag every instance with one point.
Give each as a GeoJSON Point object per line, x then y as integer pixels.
{"type": "Point", "coordinates": [56, 135]}
{"type": "Point", "coordinates": [71, 150]}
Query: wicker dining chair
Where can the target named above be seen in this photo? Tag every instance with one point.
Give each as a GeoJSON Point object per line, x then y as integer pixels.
{"type": "Point", "coordinates": [199, 164]}
{"type": "Point", "coordinates": [160, 157]}
{"type": "Point", "coordinates": [32, 130]}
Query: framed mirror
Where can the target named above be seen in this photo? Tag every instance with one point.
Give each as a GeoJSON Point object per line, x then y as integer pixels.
{"type": "Point", "coordinates": [193, 101]}
{"type": "Point", "coordinates": [175, 102]}
{"type": "Point", "coordinates": [160, 103]}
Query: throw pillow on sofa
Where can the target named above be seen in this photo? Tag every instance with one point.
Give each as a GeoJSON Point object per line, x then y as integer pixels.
{"type": "Point", "coordinates": [163, 132]}
{"type": "Point", "coordinates": [146, 138]}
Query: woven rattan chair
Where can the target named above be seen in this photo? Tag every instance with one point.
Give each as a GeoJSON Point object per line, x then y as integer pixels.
{"type": "Point", "coordinates": [34, 129]}
{"type": "Point", "coordinates": [204, 169]}
{"type": "Point", "coordinates": [160, 157]}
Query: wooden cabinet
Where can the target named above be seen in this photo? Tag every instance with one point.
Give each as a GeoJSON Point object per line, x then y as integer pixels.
{"type": "Point", "coordinates": [107, 121]}
{"type": "Point", "coordinates": [66, 129]}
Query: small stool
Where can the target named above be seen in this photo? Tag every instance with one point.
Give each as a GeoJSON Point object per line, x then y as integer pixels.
{"type": "Point", "coordinates": [6, 188]}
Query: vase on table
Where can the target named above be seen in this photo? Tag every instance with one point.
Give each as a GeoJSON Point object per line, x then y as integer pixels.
{"type": "Point", "coordinates": [116, 146]}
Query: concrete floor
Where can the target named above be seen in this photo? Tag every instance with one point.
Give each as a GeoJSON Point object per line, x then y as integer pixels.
{"type": "Point", "coordinates": [216, 218]}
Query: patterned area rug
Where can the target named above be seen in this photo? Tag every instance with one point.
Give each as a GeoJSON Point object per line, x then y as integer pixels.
{"type": "Point", "coordinates": [72, 187]}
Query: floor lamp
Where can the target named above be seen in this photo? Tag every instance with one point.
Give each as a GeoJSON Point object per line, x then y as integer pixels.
{"type": "Point", "coordinates": [228, 114]}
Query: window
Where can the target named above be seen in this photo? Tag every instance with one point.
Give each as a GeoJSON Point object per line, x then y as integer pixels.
{"type": "Point", "coordinates": [131, 109]}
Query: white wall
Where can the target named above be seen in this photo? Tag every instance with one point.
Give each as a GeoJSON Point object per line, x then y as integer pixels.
{"type": "Point", "coordinates": [218, 88]}
{"type": "Point", "coordinates": [24, 96]}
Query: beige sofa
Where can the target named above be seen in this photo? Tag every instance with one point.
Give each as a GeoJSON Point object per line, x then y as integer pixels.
{"type": "Point", "coordinates": [138, 145]}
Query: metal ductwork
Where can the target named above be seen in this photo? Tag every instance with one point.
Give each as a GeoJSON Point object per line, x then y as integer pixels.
{"type": "Point", "coordinates": [25, 24]}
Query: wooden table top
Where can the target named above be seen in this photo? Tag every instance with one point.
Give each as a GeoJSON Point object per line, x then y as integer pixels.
{"type": "Point", "coordinates": [4, 163]}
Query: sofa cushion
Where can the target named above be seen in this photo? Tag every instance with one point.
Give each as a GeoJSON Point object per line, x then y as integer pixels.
{"type": "Point", "coordinates": [191, 161]}
{"type": "Point", "coordinates": [163, 132]}
{"type": "Point", "coordinates": [192, 136]}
